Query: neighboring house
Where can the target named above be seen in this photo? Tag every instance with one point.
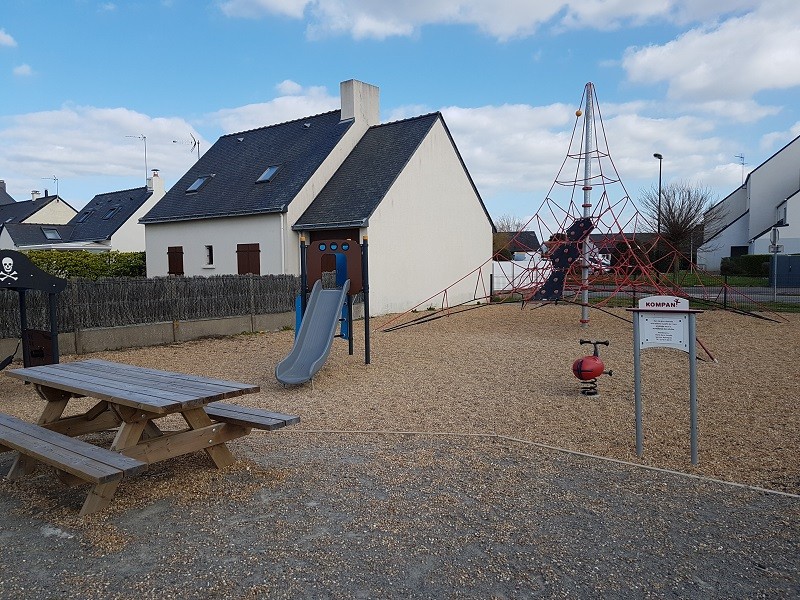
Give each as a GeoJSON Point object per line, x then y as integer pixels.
{"type": "Point", "coordinates": [108, 222]}
{"type": "Point", "coordinates": [244, 205]}
{"type": "Point", "coordinates": [769, 198]}
{"type": "Point", "coordinates": [39, 209]}
{"type": "Point", "coordinates": [5, 198]}
{"type": "Point", "coordinates": [30, 215]}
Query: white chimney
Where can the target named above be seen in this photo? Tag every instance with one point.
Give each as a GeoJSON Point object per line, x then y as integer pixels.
{"type": "Point", "coordinates": [35, 194]}
{"type": "Point", "coordinates": [360, 101]}
{"type": "Point", "coordinates": [155, 183]}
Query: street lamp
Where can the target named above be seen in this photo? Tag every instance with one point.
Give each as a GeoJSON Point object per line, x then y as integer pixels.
{"type": "Point", "coordinates": [658, 222]}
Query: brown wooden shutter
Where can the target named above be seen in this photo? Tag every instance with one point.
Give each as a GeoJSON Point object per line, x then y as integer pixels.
{"type": "Point", "coordinates": [248, 259]}
{"type": "Point", "coordinates": [175, 260]}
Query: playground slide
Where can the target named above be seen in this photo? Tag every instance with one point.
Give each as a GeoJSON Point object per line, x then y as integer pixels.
{"type": "Point", "coordinates": [315, 338]}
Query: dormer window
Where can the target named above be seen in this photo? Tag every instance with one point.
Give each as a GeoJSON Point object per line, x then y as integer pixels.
{"type": "Point", "coordinates": [199, 183]}
{"type": "Point", "coordinates": [50, 233]}
{"type": "Point", "coordinates": [84, 216]}
{"type": "Point", "coordinates": [269, 174]}
{"type": "Point", "coordinates": [111, 213]}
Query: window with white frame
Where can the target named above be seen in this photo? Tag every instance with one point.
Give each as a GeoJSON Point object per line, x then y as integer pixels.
{"type": "Point", "coordinates": [209, 256]}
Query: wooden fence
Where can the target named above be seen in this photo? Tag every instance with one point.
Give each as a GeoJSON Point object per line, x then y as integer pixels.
{"type": "Point", "coordinates": [87, 304]}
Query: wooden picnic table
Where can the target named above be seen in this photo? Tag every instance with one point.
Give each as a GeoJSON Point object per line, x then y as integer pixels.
{"type": "Point", "coordinates": [132, 400]}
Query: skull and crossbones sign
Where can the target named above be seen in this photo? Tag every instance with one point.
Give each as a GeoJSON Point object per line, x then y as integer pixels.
{"type": "Point", "coordinates": [8, 271]}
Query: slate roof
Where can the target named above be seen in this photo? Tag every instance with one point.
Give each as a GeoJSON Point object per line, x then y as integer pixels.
{"type": "Point", "coordinates": [367, 174]}
{"type": "Point", "coordinates": [16, 212]}
{"type": "Point", "coordinates": [5, 197]}
{"type": "Point", "coordinates": [524, 241]}
{"type": "Point", "coordinates": [106, 213]}
{"type": "Point", "coordinates": [32, 234]}
{"type": "Point", "coordinates": [237, 160]}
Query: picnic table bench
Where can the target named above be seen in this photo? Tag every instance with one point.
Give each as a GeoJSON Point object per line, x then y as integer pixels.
{"type": "Point", "coordinates": [130, 399]}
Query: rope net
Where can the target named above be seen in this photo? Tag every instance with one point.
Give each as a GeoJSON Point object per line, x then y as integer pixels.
{"type": "Point", "coordinates": [615, 253]}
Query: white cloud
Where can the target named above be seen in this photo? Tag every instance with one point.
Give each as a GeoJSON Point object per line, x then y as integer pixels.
{"type": "Point", "coordinates": [256, 8]}
{"type": "Point", "coordinates": [289, 88]}
{"type": "Point", "coordinates": [6, 39]}
{"type": "Point", "coordinates": [295, 103]}
{"type": "Point", "coordinates": [85, 142]}
{"type": "Point", "coordinates": [503, 20]}
{"type": "Point", "coordinates": [733, 60]}
{"type": "Point", "coordinates": [23, 71]}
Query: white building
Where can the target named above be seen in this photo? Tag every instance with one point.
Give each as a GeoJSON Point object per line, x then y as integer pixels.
{"type": "Point", "coordinates": [339, 175]}
{"type": "Point", "coordinates": [769, 198]}
{"type": "Point", "coordinates": [108, 222]}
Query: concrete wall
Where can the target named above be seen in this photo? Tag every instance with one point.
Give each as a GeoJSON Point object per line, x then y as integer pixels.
{"type": "Point", "coordinates": [135, 336]}
{"type": "Point", "coordinates": [428, 232]}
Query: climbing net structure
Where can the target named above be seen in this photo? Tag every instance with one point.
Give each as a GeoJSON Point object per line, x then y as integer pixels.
{"type": "Point", "coordinates": [594, 243]}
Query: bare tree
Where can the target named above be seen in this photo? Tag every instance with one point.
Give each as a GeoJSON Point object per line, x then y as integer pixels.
{"type": "Point", "coordinates": [507, 226]}
{"type": "Point", "coordinates": [684, 214]}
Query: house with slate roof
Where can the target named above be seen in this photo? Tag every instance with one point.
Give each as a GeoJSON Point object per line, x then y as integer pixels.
{"type": "Point", "coordinates": [339, 175]}
{"type": "Point", "coordinates": [5, 197]}
{"type": "Point", "coordinates": [769, 198]}
{"type": "Point", "coordinates": [33, 213]}
{"type": "Point", "coordinates": [109, 221]}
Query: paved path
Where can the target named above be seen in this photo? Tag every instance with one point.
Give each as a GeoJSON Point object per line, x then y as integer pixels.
{"type": "Point", "coordinates": [403, 516]}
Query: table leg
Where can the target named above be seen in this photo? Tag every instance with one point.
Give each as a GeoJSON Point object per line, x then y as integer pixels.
{"type": "Point", "coordinates": [99, 497]}
{"type": "Point", "coordinates": [198, 418]}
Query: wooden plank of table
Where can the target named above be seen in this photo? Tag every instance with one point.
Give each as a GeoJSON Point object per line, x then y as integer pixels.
{"type": "Point", "coordinates": [137, 396]}
{"type": "Point", "coordinates": [165, 380]}
{"type": "Point", "coordinates": [235, 388]}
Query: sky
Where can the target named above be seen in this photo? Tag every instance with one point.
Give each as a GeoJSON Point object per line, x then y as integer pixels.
{"type": "Point", "coordinates": [94, 94]}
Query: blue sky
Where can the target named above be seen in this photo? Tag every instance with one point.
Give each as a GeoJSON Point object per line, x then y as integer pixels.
{"type": "Point", "coordinates": [699, 81]}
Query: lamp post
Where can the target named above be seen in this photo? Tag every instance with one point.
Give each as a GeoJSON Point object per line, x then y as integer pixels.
{"type": "Point", "coordinates": [658, 221]}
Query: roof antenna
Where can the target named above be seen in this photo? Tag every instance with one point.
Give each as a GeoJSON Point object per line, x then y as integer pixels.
{"type": "Point", "coordinates": [195, 144]}
{"type": "Point", "coordinates": [144, 139]}
{"type": "Point", "coordinates": [54, 178]}
{"type": "Point", "coordinates": [741, 160]}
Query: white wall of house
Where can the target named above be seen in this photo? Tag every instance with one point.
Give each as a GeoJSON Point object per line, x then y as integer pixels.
{"type": "Point", "coordinates": [56, 212]}
{"type": "Point", "coordinates": [223, 234]}
{"type": "Point", "coordinates": [770, 184]}
{"type": "Point", "coordinates": [130, 236]}
{"type": "Point", "coordinates": [711, 254]}
{"type": "Point", "coordinates": [765, 194]}
{"type": "Point", "coordinates": [6, 243]}
{"type": "Point", "coordinates": [361, 102]}
{"type": "Point", "coordinates": [428, 232]}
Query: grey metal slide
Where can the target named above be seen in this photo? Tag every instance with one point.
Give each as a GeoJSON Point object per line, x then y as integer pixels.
{"type": "Point", "coordinates": [315, 338]}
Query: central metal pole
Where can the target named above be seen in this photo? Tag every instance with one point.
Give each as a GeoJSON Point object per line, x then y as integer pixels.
{"type": "Point", "coordinates": [587, 201]}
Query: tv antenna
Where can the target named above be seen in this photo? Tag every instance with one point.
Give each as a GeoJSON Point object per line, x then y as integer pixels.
{"type": "Point", "coordinates": [144, 139]}
{"type": "Point", "coordinates": [741, 160]}
{"type": "Point", "coordinates": [195, 144]}
{"type": "Point", "coordinates": [54, 178]}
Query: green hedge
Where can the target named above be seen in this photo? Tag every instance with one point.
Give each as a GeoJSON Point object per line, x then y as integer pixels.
{"type": "Point", "coordinates": [89, 265]}
{"type": "Point", "coordinates": [752, 265]}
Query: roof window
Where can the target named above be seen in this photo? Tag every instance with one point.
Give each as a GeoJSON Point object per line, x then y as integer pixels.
{"type": "Point", "coordinates": [83, 216]}
{"type": "Point", "coordinates": [199, 183]}
{"type": "Point", "coordinates": [111, 213]}
{"type": "Point", "coordinates": [50, 233]}
{"type": "Point", "coordinates": [269, 174]}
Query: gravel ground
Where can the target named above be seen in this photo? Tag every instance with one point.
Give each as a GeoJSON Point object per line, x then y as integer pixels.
{"type": "Point", "coordinates": [343, 506]}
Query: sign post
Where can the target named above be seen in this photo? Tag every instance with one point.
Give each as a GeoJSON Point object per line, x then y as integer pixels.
{"type": "Point", "coordinates": [665, 322]}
